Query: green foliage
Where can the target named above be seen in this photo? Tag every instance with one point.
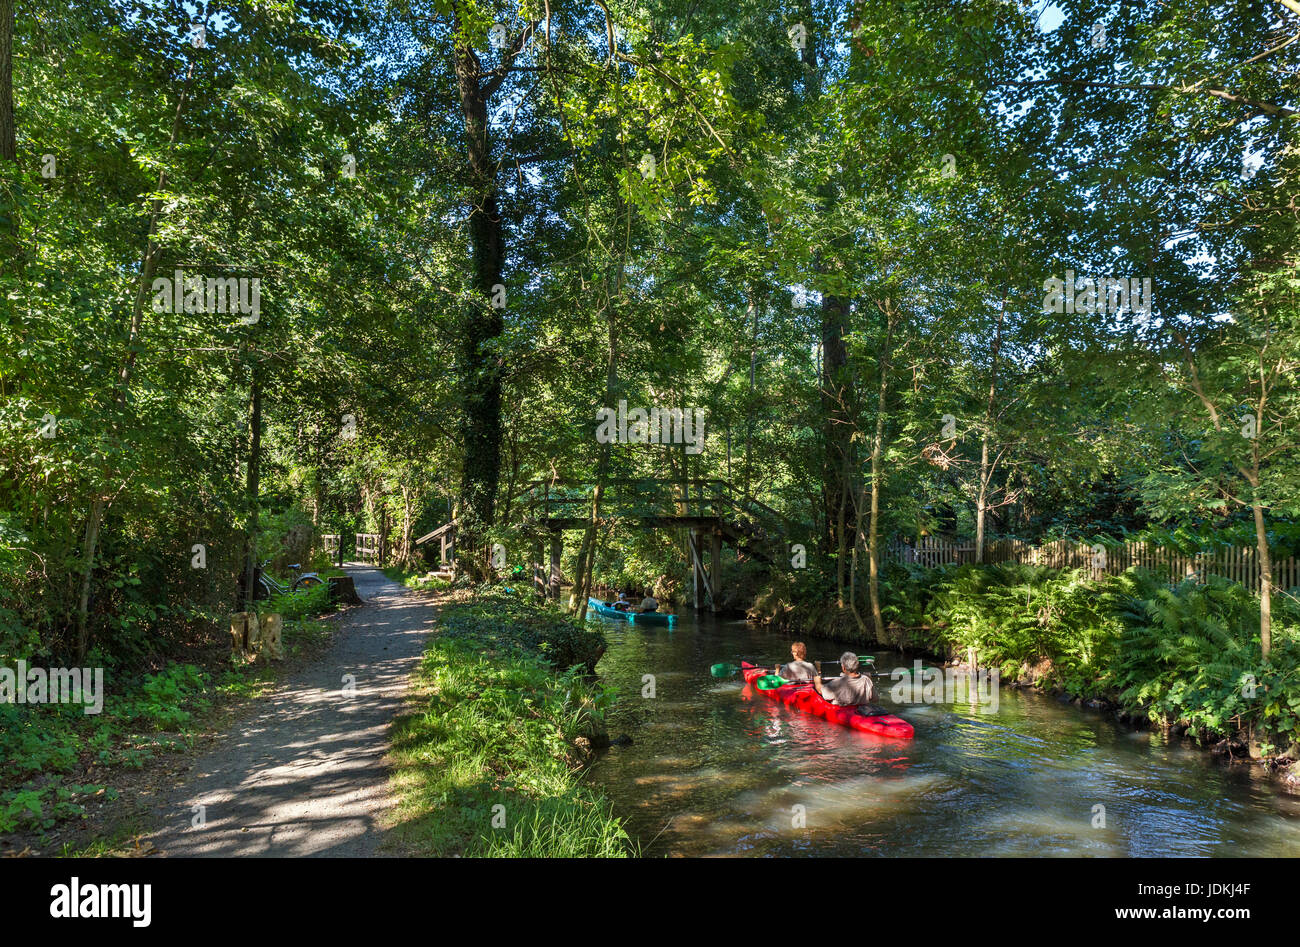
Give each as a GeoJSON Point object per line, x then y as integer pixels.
{"type": "Point", "coordinates": [1192, 653]}
{"type": "Point", "coordinates": [515, 620]}
{"type": "Point", "coordinates": [774, 168]}
{"type": "Point", "coordinates": [1018, 616]}
{"type": "Point", "coordinates": [497, 725]}
{"type": "Point", "coordinates": [38, 738]}
{"type": "Point", "coordinates": [1188, 653]}
{"type": "Point", "coordinates": [43, 808]}
{"type": "Point", "coordinates": [168, 700]}
{"type": "Point", "coordinates": [41, 743]}
{"type": "Point", "coordinates": [300, 603]}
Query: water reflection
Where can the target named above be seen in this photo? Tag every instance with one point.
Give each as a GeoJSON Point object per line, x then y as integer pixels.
{"type": "Point", "coordinates": [716, 769]}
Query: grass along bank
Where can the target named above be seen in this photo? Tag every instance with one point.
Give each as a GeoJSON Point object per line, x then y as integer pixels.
{"type": "Point", "coordinates": [416, 578]}
{"type": "Point", "coordinates": [491, 760]}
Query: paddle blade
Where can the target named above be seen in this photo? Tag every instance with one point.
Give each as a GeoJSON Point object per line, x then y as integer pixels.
{"type": "Point", "coordinates": [769, 682]}
{"type": "Point", "coordinates": [723, 670]}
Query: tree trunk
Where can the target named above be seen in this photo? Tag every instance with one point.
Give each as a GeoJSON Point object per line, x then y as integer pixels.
{"type": "Point", "coordinates": [853, 567]}
{"type": "Point", "coordinates": [405, 554]}
{"type": "Point", "coordinates": [148, 266]}
{"type": "Point", "coordinates": [877, 450]}
{"type": "Point", "coordinates": [253, 486]}
{"type": "Point", "coordinates": [986, 473]}
{"type": "Point", "coordinates": [981, 502]}
{"type": "Point", "coordinates": [587, 554]}
{"type": "Point", "coordinates": [9, 244]}
{"type": "Point", "coordinates": [8, 129]}
{"type": "Point", "coordinates": [1265, 575]}
{"type": "Point", "coordinates": [836, 380]}
{"type": "Point", "coordinates": [750, 405]}
{"type": "Point", "coordinates": [483, 324]}
{"type": "Point", "coordinates": [837, 428]}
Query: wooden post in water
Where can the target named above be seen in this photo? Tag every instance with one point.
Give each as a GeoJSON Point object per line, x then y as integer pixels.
{"type": "Point", "coordinates": [694, 543]}
{"type": "Point", "coordinates": [715, 570]}
{"type": "Point", "coordinates": [557, 547]}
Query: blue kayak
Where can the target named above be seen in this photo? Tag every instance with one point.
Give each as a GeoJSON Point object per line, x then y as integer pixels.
{"type": "Point", "coordinates": [607, 610]}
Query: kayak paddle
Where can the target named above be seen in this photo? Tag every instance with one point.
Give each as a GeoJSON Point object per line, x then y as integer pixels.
{"type": "Point", "coordinates": [770, 682]}
{"type": "Point", "coordinates": [725, 669]}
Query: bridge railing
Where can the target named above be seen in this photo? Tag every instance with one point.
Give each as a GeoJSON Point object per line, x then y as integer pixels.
{"type": "Point", "coordinates": [641, 497]}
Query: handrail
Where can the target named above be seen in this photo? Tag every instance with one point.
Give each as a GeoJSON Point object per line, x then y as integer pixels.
{"type": "Point", "coordinates": [700, 494]}
{"type": "Point", "coordinates": [436, 533]}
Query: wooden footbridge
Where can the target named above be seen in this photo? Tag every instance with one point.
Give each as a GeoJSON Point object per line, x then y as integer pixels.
{"type": "Point", "coordinates": [711, 511]}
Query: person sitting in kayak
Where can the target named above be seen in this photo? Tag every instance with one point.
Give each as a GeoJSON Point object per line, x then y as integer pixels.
{"type": "Point", "coordinates": [648, 604]}
{"type": "Point", "coordinates": [850, 689]}
{"type": "Point", "coordinates": [623, 603]}
{"type": "Point", "coordinates": [799, 669]}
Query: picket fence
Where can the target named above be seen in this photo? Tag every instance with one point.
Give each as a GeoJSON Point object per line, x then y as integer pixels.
{"type": "Point", "coordinates": [1237, 563]}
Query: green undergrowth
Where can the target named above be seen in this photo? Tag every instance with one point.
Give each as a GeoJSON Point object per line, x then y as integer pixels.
{"type": "Point", "coordinates": [1185, 654]}
{"type": "Point", "coordinates": [47, 749]}
{"type": "Point", "coordinates": [416, 578]}
{"type": "Point", "coordinates": [490, 764]}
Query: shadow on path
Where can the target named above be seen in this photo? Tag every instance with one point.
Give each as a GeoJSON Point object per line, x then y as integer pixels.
{"type": "Point", "coordinates": [305, 776]}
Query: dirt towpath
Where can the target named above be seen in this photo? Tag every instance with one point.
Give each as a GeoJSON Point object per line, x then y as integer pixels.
{"type": "Point", "coordinates": [305, 775]}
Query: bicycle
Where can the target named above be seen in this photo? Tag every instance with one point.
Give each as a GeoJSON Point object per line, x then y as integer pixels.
{"type": "Point", "coordinates": [269, 586]}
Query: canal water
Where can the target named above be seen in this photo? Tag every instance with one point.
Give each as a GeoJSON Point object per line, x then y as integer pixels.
{"type": "Point", "coordinates": [716, 768]}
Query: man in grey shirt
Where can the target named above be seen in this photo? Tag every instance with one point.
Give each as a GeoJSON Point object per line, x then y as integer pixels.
{"type": "Point", "coordinates": [850, 689]}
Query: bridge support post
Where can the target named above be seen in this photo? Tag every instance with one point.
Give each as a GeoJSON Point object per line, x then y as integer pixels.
{"type": "Point", "coordinates": [696, 569]}
{"type": "Point", "coordinates": [715, 571]}
{"type": "Point", "coordinates": [702, 578]}
{"type": "Point", "coordinates": [557, 547]}
{"type": "Point", "coordinates": [539, 577]}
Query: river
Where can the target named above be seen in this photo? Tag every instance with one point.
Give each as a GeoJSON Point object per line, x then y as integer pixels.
{"type": "Point", "coordinates": [717, 769]}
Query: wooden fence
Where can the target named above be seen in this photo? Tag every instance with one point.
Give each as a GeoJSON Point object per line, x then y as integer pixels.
{"type": "Point", "coordinates": [367, 547]}
{"type": "Point", "coordinates": [1237, 563]}
{"type": "Point", "coordinates": [330, 542]}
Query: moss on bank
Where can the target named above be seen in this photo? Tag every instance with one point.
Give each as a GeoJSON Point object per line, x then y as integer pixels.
{"type": "Point", "coordinates": [490, 761]}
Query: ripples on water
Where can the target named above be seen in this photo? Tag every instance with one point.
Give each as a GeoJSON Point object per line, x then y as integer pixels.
{"type": "Point", "coordinates": [717, 769]}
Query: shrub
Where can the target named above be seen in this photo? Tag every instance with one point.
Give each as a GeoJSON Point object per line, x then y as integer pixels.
{"type": "Point", "coordinates": [515, 619]}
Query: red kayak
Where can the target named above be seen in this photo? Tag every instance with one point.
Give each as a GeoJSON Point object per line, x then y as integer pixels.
{"type": "Point", "coordinates": [804, 697]}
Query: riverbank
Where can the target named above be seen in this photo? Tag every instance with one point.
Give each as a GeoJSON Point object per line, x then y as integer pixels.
{"type": "Point", "coordinates": [1185, 659]}
{"type": "Point", "coordinates": [711, 770]}
{"type": "Point", "coordinates": [504, 716]}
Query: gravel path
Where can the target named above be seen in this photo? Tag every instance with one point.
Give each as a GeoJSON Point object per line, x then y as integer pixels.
{"type": "Point", "coordinates": [305, 775]}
